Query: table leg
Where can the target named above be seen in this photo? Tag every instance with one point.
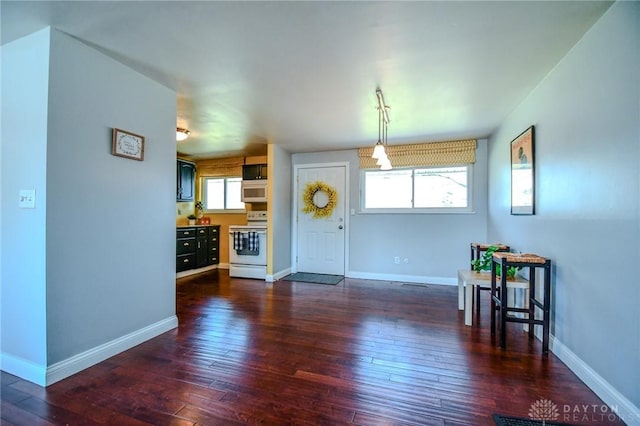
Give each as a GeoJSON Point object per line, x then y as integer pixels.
{"type": "Point", "coordinates": [547, 308]}
{"type": "Point", "coordinates": [503, 305]}
{"type": "Point", "coordinates": [468, 304]}
{"type": "Point", "coordinates": [460, 293]}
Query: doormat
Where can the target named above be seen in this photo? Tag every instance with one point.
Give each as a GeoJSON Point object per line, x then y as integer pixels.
{"type": "Point", "coordinates": [518, 421]}
{"type": "Point", "coordinates": [308, 277]}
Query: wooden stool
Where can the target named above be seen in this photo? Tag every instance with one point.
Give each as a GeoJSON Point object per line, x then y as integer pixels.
{"type": "Point", "coordinates": [477, 249]}
{"type": "Point", "coordinates": [499, 298]}
{"type": "Point", "coordinates": [476, 252]}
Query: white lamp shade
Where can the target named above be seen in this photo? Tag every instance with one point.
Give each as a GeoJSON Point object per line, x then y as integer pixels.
{"type": "Point", "coordinates": [386, 165]}
{"type": "Point", "coordinates": [382, 159]}
{"type": "Point", "coordinates": [378, 151]}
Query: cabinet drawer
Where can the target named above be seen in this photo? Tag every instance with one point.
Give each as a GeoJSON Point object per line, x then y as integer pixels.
{"type": "Point", "coordinates": [185, 262]}
{"type": "Point", "coordinates": [213, 231]}
{"type": "Point", "coordinates": [185, 246]}
{"type": "Point", "coordinates": [185, 232]}
{"type": "Point", "coordinates": [213, 259]}
{"type": "Point", "coordinates": [202, 232]}
{"type": "Point", "coordinates": [213, 240]}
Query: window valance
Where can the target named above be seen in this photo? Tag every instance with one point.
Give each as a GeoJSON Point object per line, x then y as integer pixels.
{"type": "Point", "coordinates": [231, 166]}
{"type": "Point", "coordinates": [423, 154]}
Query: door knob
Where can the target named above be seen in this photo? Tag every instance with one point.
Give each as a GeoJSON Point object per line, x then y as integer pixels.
{"type": "Point", "coordinates": [340, 227]}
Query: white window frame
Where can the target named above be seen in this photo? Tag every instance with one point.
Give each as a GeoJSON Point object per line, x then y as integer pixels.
{"type": "Point", "coordinates": [203, 186]}
{"type": "Point", "coordinates": [421, 210]}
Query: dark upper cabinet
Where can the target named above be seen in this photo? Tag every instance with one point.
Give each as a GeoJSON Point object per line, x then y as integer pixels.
{"type": "Point", "coordinates": [254, 172]}
{"type": "Point", "coordinates": [186, 180]}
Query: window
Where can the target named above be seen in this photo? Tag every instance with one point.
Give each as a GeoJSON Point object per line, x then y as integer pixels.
{"type": "Point", "coordinates": [222, 193]}
{"type": "Point", "coordinates": [420, 190]}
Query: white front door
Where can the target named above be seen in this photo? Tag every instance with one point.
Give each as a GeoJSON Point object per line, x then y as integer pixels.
{"type": "Point", "coordinates": [321, 220]}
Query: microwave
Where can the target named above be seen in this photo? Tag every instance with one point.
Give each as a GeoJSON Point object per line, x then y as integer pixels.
{"type": "Point", "coordinates": [254, 191]}
{"type": "Point", "coordinates": [254, 171]}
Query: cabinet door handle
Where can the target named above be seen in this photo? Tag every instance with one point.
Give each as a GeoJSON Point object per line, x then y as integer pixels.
{"type": "Point", "coordinates": [185, 233]}
{"type": "Point", "coordinates": [186, 244]}
{"type": "Point", "coordinates": [185, 261]}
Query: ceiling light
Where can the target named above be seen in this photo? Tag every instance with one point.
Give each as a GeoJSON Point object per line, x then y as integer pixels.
{"type": "Point", "coordinates": [182, 134]}
{"type": "Point", "coordinates": [379, 152]}
{"type": "Point", "coordinates": [386, 165]}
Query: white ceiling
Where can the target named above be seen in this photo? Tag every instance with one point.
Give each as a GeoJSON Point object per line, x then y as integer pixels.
{"type": "Point", "coordinates": [303, 74]}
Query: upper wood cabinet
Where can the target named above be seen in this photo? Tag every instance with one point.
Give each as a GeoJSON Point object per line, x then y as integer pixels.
{"type": "Point", "coordinates": [186, 181]}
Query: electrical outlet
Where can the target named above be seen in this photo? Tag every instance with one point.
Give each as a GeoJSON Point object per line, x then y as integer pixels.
{"type": "Point", "coordinates": [27, 199]}
{"type": "Point", "coordinates": [396, 260]}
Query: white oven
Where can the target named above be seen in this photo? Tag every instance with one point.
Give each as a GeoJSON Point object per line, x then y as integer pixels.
{"type": "Point", "coordinates": [248, 247]}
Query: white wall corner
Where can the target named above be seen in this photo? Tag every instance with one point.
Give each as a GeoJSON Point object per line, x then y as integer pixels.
{"type": "Point", "coordinates": [24, 369]}
{"type": "Point", "coordinates": [70, 366]}
{"type": "Point", "coordinates": [625, 409]}
{"type": "Point", "coordinates": [278, 275]}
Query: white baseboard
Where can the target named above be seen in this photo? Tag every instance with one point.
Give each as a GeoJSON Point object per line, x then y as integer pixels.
{"type": "Point", "coordinates": [24, 369]}
{"type": "Point", "coordinates": [403, 278]}
{"type": "Point", "coordinates": [79, 362]}
{"type": "Point", "coordinates": [196, 271]}
{"type": "Point", "coordinates": [223, 266]}
{"type": "Point", "coordinates": [278, 275]}
{"type": "Point", "coordinates": [627, 411]}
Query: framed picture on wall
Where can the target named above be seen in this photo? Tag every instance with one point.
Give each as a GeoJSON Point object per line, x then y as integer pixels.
{"type": "Point", "coordinates": [128, 145]}
{"type": "Point", "coordinates": [523, 173]}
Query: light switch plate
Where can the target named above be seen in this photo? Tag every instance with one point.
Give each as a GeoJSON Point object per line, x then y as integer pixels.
{"type": "Point", "coordinates": [27, 199]}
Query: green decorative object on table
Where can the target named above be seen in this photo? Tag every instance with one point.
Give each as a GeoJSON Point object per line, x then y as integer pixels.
{"type": "Point", "coordinates": [484, 263]}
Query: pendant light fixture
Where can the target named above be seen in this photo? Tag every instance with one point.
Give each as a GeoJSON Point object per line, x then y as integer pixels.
{"type": "Point", "coordinates": [386, 163]}
{"type": "Point", "coordinates": [379, 152]}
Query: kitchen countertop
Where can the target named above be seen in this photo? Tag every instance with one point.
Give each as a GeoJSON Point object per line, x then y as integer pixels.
{"type": "Point", "coordinates": [193, 226]}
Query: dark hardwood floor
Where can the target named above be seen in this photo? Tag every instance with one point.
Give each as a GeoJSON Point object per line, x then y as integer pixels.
{"type": "Point", "coordinates": [362, 352]}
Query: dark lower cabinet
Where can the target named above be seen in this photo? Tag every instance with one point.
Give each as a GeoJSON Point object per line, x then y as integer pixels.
{"type": "Point", "coordinates": [202, 247]}
{"type": "Point", "coordinates": [214, 245]}
{"type": "Point", "coordinates": [197, 247]}
{"type": "Point", "coordinates": [185, 249]}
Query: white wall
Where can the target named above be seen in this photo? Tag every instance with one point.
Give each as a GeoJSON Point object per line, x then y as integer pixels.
{"type": "Point", "coordinates": [25, 77]}
{"type": "Point", "coordinates": [109, 245]}
{"type": "Point", "coordinates": [587, 118]}
{"type": "Point", "coordinates": [280, 209]}
{"type": "Point", "coordinates": [110, 240]}
{"type": "Point", "coordinates": [437, 245]}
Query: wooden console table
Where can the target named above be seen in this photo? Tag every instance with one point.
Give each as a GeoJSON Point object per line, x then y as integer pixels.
{"type": "Point", "coordinates": [499, 295]}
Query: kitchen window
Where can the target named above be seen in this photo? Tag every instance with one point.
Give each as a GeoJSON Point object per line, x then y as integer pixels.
{"type": "Point", "coordinates": [442, 189]}
{"type": "Point", "coordinates": [222, 194]}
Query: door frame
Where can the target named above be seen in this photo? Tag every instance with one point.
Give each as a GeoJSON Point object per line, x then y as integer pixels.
{"type": "Point", "coordinates": [296, 209]}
